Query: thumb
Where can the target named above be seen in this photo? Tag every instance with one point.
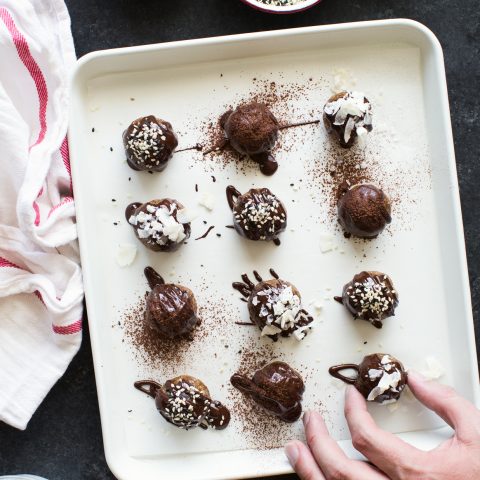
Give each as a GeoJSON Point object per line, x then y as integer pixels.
{"type": "Point", "coordinates": [458, 412]}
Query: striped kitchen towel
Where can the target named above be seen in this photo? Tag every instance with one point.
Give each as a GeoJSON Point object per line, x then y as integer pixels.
{"type": "Point", "coordinates": [41, 292]}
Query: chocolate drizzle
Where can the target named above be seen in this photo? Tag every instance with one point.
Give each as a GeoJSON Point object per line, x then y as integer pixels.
{"type": "Point", "coordinates": [232, 196]}
{"type": "Point", "coordinates": [196, 147]}
{"type": "Point", "coordinates": [267, 162]}
{"type": "Point", "coordinates": [153, 277]}
{"type": "Point", "coordinates": [130, 210]}
{"type": "Point", "coordinates": [206, 233]}
{"type": "Point", "coordinates": [299, 124]}
{"type": "Point", "coordinates": [277, 388]}
{"type": "Point", "coordinates": [335, 372]}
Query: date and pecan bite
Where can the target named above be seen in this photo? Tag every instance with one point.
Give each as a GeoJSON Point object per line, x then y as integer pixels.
{"type": "Point", "coordinates": [364, 210]}
{"type": "Point", "coordinates": [252, 130]}
{"type": "Point", "coordinates": [257, 214]}
{"type": "Point", "coordinates": [171, 309]}
{"type": "Point", "coordinates": [370, 296]}
{"type": "Point", "coordinates": [185, 402]}
{"type": "Point", "coordinates": [149, 143]}
{"type": "Point", "coordinates": [379, 377]}
{"type": "Point", "coordinates": [275, 306]}
{"type": "Point", "coordinates": [161, 225]}
{"type": "Point", "coordinates": [277, 388]}
{"type": "Point", "coordinates": [349, 116]}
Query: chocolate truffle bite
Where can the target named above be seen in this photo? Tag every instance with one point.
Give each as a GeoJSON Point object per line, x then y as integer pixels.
{"type": "Point", "coordinates": [185, 402]}
{"type": "Point", "coordinates": [171, 309]}
{"type": "Point", "coordinates": [364, 210]}
{"type": "Point", "coordinates": [349, 116]}
{"type": "Point", "coordinates": [277, 388]}
{"type": "Point", "coordinates": [380, 377]}
{"type": "Point", "coordinates": [161, 225]}
{"type": "Point", "coordinates": [275, 306]}
{"type": "Point", "coordinates": [370, 296]}
{"type": "Point", "coordinates": [257, 214]}
{"type": "Point", "coordinates": [149, 143]}
{"type": "Point", "coordinates": [252, 130]}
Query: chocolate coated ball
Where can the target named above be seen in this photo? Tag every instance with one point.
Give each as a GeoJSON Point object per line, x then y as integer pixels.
{"type": "Point", "coordinates": [251, 128]}
{"type": "Point", "coordinates": [277, 388]}
{"type": "Point", "coordinates": [380, 377]}
{"type": "Point", "coordinates": [364, 211]}
{"type": "Point", "coordinates": [257, 214]}
{"type": "Point", "coordinates": [161, 225]}
{"type": "Point", "coordinates": [349, 116]}
{"type": "Point", "coordinates": [149, 143]}
{"type": "Point", "coordinates": [370, 296]}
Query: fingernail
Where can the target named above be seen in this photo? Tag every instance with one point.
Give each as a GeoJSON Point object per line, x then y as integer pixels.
{"type": "Point", "coordinates": [306, 418]}
{"type": "Point", "coordinates": [349, 390]}
{"type": "Point", "coordinates": [291, 451]}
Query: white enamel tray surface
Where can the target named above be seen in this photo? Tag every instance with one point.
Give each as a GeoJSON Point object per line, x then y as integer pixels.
{"type": "Point", "coordinates": [399, 64]}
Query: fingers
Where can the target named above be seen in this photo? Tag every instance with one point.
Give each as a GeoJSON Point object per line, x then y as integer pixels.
{"type": "Point", "coordinates": [385, 450]}
{"type": "Point", "coordinates": [458, 412]}
{"type": "Point", "coordinates": [302, 461]}
{"type": "Point", "coordinates": [331, 459]}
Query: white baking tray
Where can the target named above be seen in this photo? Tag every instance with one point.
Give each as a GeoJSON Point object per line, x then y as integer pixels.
{"type": "Point", "coordinates": [399, 64]}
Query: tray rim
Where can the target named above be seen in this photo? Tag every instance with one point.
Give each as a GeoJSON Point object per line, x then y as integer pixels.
{"type": "Point", "coordinates": [433, 44]}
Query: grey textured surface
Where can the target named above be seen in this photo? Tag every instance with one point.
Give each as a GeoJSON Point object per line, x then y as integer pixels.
{"type": "Point", "coordinates": [63, 440]}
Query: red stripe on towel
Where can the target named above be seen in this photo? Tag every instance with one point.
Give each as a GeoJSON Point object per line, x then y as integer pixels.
{"type": "Point", "coordinates": [68, 329]}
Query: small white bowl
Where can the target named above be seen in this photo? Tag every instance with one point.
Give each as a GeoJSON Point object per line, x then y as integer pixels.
{"type": "Point", "coordinates": [298, 7]}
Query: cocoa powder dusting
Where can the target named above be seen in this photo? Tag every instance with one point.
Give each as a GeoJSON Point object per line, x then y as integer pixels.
{"type": "Point", "coordinates": [149, 348]}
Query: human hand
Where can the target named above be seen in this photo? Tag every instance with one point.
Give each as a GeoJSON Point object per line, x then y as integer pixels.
{"type": "Point", "coordinates": [391, 458]}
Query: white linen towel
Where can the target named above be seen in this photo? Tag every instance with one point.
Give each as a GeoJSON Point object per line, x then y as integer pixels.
{"type": "Point", "coordinates": [41, 292]}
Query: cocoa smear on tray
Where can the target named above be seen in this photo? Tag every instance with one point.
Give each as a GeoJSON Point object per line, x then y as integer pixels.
{"type": "Point", "coordinates": [149, 348]}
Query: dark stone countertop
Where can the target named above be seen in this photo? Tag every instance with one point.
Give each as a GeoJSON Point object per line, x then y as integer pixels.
{"type": "Point", "coordinates": [63, 440]}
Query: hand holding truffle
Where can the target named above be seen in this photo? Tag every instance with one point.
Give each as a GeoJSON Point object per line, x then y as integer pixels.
{"type": "Point", "coordinates": [389, 456]}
